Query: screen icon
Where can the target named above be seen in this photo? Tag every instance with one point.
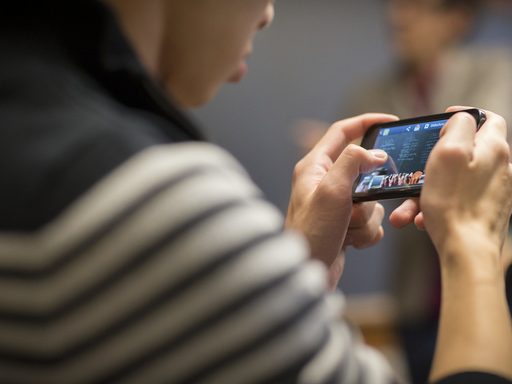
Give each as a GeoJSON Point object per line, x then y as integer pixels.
{"type": "Point", "coordinates": [427, 126]}
{"type": "Point", "coordinates": [417, 128]}
{"type": "Point", "coordinates": [386, 132]}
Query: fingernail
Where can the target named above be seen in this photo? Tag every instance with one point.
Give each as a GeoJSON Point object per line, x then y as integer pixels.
{"type": "Point", "coordinates": [379, 154]}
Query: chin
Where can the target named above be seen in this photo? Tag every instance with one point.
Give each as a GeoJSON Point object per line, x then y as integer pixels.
{"type": "Point", "coordinates": [200, 102]}
{"type": "Point", "coordinates": [203, 99]}
{"type": "Point", "coordinates": [192, 99]}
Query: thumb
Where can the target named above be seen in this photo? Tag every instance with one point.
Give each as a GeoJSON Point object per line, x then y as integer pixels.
{"type": "Point", "coordinates": [353, 161]}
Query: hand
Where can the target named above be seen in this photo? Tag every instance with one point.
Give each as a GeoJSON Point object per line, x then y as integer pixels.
{"type": "Point", "coordinates": [321, 201]}
{"type": "Point", "coordinates": [466, 204]}
{"type": "Point", "coordinates": [467, 184]}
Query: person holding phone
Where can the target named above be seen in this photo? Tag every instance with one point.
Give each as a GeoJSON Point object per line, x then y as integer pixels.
{"type": "Point", "coordinates": [132, 252]}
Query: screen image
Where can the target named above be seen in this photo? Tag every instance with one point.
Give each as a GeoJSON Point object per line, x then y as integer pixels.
{"type": "Point", "coordinates": [408, 147]}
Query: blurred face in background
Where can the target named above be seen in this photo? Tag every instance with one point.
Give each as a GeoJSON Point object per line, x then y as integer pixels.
{"type": "Point", "coordinates": [423, 29]}
{"type": "Point", "coordinates": [206, 44]}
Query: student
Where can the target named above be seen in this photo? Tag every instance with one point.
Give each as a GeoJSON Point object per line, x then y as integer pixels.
{"type": "Point", "coordinates": [130, 252]}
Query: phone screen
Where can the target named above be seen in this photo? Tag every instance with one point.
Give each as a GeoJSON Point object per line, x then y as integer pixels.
{"type": "Point", "coordinates": [408, 144]}
{"type": "Point", "coordinates": [408, 147]}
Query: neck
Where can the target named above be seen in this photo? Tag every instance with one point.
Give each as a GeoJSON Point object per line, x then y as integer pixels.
{"type": "Point", "coordinates": [142, 23]}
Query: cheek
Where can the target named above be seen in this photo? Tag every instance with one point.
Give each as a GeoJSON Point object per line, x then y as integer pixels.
{"type": "Point", "coordinates": [198, 61]}
{"type": "Point", "coordinates": [193, 77]}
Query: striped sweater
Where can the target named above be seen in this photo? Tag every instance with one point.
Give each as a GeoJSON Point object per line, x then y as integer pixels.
{"type": "Point", "coordinates": [173, 269]}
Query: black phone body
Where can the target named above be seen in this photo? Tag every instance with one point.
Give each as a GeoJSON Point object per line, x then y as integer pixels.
{"type": "Point", "coordinates": [408, 144]}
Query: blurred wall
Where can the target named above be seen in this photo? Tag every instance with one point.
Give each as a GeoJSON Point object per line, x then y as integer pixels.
{"type": "Point", "coordinates": [304, 66]}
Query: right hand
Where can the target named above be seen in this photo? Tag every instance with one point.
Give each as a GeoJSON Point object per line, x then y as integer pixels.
{"type": "Point", "coordinates": [468, 185]}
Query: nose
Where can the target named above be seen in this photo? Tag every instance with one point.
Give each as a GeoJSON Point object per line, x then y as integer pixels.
{"type": "Point", "coordinates": [268, 16]}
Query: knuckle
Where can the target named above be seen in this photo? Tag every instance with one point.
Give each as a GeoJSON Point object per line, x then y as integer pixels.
{"type": "Point", "coordinates": [502, 149]}
{"type": "Point", "coordinates": [467, 118]}
{"type": "Point", "coordinates": [354, 151]}
{"type": "Point", "coordinates": [380, 209]}
{"type": "Point", "coordinates": [497, 122]}
{"type": "Point", "coordinates": [500, 121]}
{"type": "Point", "coordinates": [338, 127]}
{"type": "Point", "coordinates": [327, 192]}
{"type": "Point", "coordinates": [298, 169]}
{"type": "Point", "coordinates": [452, 151]}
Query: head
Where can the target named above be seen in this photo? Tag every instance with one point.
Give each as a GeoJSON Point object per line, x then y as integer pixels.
{"type": "Point", "coordinates": [193, 47]}
{"type": "Point", "coordinates": [423, 29]}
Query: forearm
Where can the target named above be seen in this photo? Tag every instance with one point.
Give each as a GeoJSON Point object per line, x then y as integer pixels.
{"type": "Point", "coordinates": [475, 330]}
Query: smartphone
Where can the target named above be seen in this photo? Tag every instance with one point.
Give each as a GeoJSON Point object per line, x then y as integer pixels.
{"type": "Point", "coordinates": [408, 144]}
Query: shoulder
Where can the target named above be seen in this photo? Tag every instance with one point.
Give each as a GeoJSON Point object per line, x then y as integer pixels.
{"type": "Point", "coordinates": [61, 133]}
{"type": "Point", "coordinates": [203, 262]}
{"type": "Point", "coordinates": [480, 61]}
{"type": "Point", "coordinates": [178, 241]}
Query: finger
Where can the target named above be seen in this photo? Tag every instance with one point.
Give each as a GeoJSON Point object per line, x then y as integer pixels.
{"type": "Point", "coordinates": [368, 234]}
{"type": "Point", "coordinates": [366, 239]}
{"type": "Point", "coordinates": [457, 138]}
{"type": "Point", "coordinates": [490, 141]}
{"type": "Point", "coordinates": [494, 123]}
{"type": "Point", "coordinates": [373, 221]}
{"type": "Point", "coordinates": [361, 214]}
{"type": "Point", "coordinates": [341, 133]}
{"type": "Point", "coordinates": [405, 213]}
{"type": "Point", "coordinates": [456, 108]}
{"type": "Point", "coordinates": [491, 147]}
{"type": "Point", "coordinates": [490, 117]}
{"type": "Point", "coordinates": [419, 221]}
{"type": "Point", "coordinates": [353, 161]}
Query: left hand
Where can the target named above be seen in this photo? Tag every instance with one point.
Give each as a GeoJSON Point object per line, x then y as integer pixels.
{"type": "Point", "coordinates": [321, 201]}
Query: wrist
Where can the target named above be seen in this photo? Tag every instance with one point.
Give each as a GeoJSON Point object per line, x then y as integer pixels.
{"type": "Point", "coordinates": [469, 250]}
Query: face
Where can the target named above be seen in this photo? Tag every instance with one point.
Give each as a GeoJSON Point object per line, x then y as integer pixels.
{"type": "Point", "coordinates": [206, 44]}
{"type": "Point", "coordinates": [422, 29]}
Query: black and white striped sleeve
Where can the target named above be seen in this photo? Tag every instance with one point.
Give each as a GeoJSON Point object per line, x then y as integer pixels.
{"type": "Point", "coordinates": [172, 269]}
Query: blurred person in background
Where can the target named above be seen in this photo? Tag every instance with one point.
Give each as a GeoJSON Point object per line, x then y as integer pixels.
{"type": "Point", "coordinates": [435, 63]}
{"type": "Point", "coordinates": [132, 252]}
{"type": "Point", "coordinates": [435, 66]}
